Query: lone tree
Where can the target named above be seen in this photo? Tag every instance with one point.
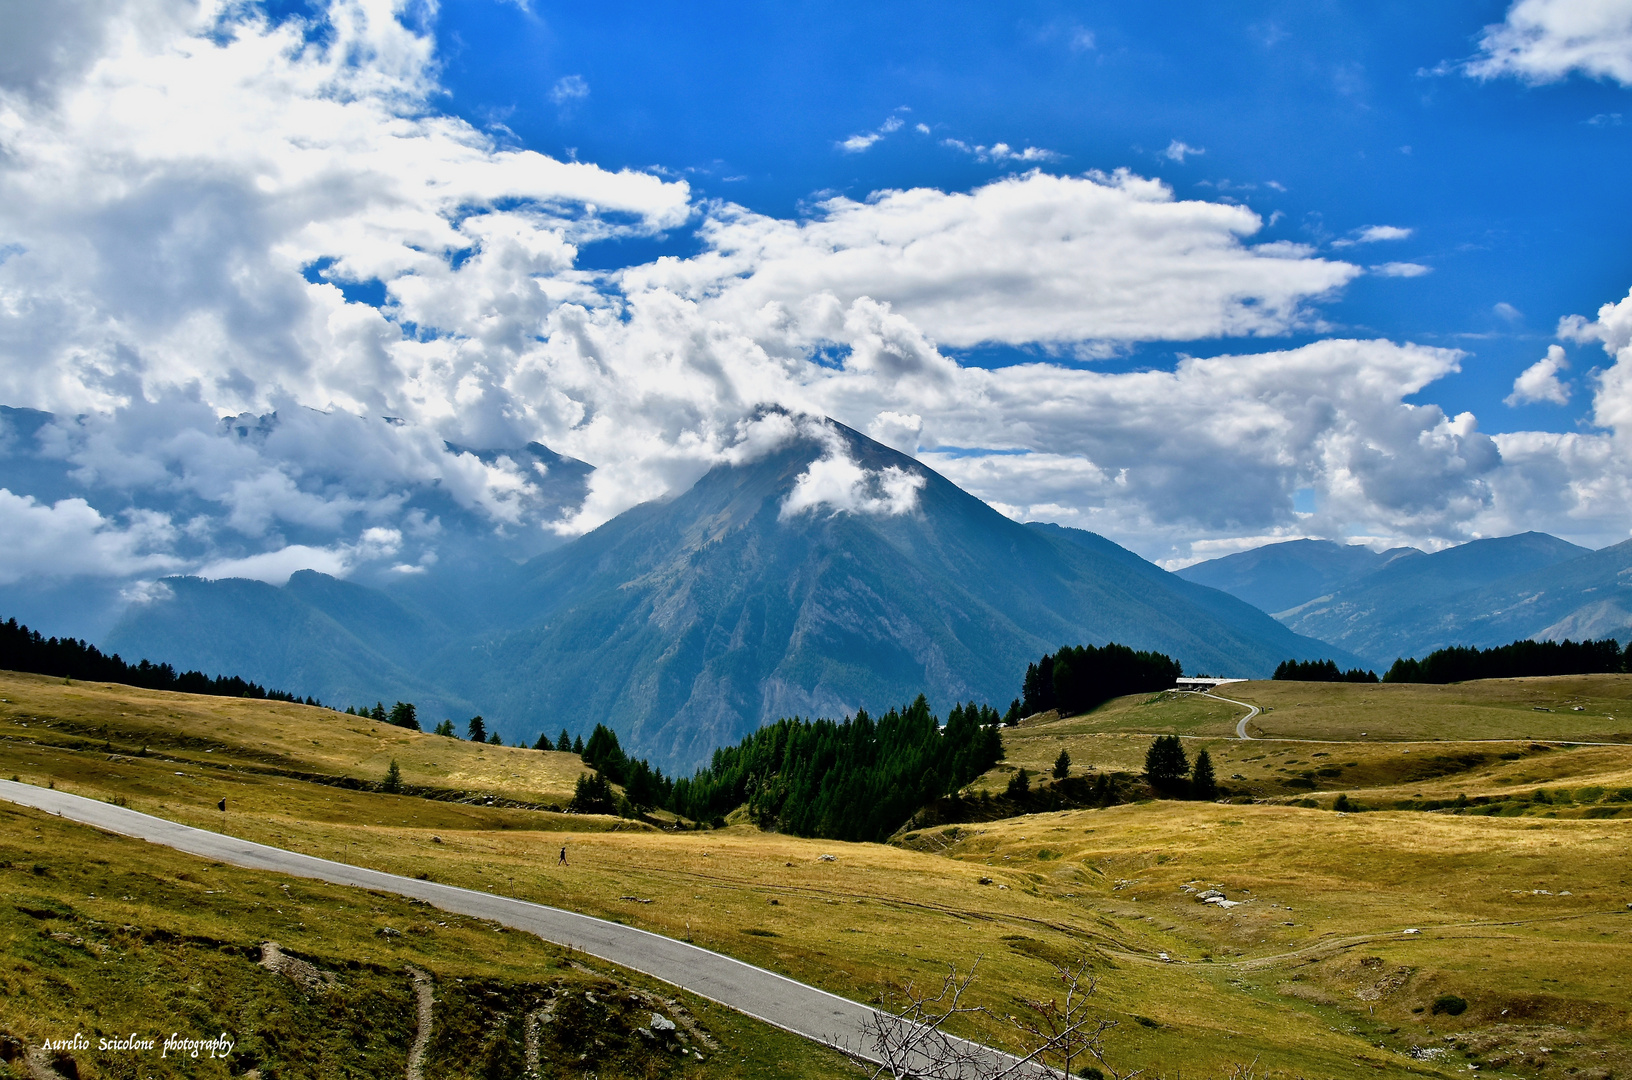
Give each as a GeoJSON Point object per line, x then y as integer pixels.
{"type": "Point", "coordinates": [478, 729]}
{"type": "Point", "coordinates": [446, 728]}
{"type": "Point", "coordinates": [1202, 783]}
{"type": "Point", "coordinates": [564, 743]}
{"type": "Point", "coordinates": [1019, 788]}
{"type": "Point", "coordinates": [1062, 766]}
{"type": "Point", "coordinates": [1166, 765]}
{"type": "Point", "coordinates": [393, 779]}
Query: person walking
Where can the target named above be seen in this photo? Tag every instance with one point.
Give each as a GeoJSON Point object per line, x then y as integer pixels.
{"type": "Point", "coordinates": [562, 861]}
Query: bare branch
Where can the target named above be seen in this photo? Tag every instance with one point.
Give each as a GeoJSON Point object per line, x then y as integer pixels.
{"type": "Point", "coordinates": [1058, 1037]}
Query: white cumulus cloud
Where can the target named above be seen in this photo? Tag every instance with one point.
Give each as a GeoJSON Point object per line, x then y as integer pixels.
{"type": "Point", "coordinates": [836, 483]}
{"type": "Point", "coordinates": [1540, 381]}
{"type": "Point", "coordinates": [1033, 258]}
{"type": "Point", "coordinates": [71, 538]}
{"type": "Point", "coordinates": [1543, 41]}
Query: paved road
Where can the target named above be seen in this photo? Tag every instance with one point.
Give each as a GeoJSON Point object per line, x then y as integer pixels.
{"type": "Point", "coordinates": [1240, 728]}
{"type": "Point", "coordinates": [763, 995]}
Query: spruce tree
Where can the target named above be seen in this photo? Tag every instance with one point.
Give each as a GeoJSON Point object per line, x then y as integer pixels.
{"type": "Point", "coordinates": [495, 739]}
{"type": "Point", "coordinates": [578, 746]}
{"type": "Point", "coordinates": [1202, 783]}
{"type": "Point", "coordinates": [1166, 765]}
{"type": "Point", "coordinates": [404, 715]}
{"type": "Point", "coordinates": [564, 743]}
{"type": "Point", "coordinates": [592, 795]}
{"type": "Point", "coordinates": [478, 729]}
{"type": "Point", "coordinates": [378, 712]}
{"type": "Point", "coordinates": [1062, 766]}
{"type": "Point", "coordinates": [393, 779]}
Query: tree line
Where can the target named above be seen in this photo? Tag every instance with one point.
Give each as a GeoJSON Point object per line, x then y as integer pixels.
{"type": "Point", "coordinates": [1521, 658]}
{"type": "Point", "coordinates": [1321, 671]}
{"type": "Point", "coordinates": [22, 649]}
{"type": "Point", "coordinates": [856, 779]}
{"type": "Point", "coordinates": [1080, 678]}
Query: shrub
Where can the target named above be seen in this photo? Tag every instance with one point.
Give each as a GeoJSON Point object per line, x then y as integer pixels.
{"type": "Point", "coordinates": [1342, 805]}
{"type": "Point", "coordinates": [1450, 1004]}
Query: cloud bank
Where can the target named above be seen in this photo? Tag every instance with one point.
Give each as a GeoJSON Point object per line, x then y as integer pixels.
{"type": "Point", "coordinates": [290, 314]}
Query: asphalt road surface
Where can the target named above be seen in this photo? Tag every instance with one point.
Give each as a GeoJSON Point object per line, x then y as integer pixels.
{"type": "Point", "coordinates": [1240, 728]}
{"type": "Point", "coordinates": [763, 995]}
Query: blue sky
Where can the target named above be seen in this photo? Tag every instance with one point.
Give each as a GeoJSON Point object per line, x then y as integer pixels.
{"type": "Point", "coordinates": [1330, 116]}
{"type": "Point", "coordinates": [1196, 277]}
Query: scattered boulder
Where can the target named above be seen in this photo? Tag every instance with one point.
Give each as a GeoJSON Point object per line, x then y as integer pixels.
{"type": "Point", "coordinates": [661, 1023]}
{"type": "Point", "coordinates": [827, 858]}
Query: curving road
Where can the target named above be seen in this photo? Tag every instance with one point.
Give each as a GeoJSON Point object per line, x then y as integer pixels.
{"type": "Point", "coordinates": [1241, 727]}
{"type": "Point", "coordinates": [764, 995]}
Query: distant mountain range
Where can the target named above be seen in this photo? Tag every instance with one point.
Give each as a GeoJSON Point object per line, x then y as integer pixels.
{"type": "Point", "coordinates": [685, 624]}
{"type": "Point", "coordinates": [1408, 603]}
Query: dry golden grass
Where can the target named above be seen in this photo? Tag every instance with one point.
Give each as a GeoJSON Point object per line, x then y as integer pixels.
{"type": "Point", "coordinates": [1312, 974]}
{"type": "Point", "coordinates": [298, 738]}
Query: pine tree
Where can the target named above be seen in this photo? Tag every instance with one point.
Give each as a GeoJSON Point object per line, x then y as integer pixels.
{"type": "Point", "coordinates": [495, 739]}
{"type": "Point", "coordinates": [564, 743]}
{"type": "Point", "coordinates": [1019, 788]}
{"type": "Point", "coordinates": [444, 728]}
{"type": "Point", "coordinates": [592, 795]}
{"type": "Point", "coordinates": [378, 712]}
{"type": "Point", "coordinates": [1202, 783]}
{"type": "Point", "coordinates": [404, 715]}
{"type": "Point", "coordinates": [478, 729]}
{"type": "Point", "coordinates": [1062, 766]}
{"type": "Point", "coordinates": [393, 779]}
{"type": "Point", "coordinates": [1166, 765]}
{"type": "Point", "coordinates": [578, 746]}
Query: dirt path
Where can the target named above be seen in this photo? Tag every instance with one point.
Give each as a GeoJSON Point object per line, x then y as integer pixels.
{"type": "Point", "coordinates": [422, 1038]}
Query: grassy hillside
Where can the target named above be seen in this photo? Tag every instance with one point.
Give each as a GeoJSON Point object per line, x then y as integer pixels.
{"type": "Point", "coordinates": [1312, 973]}
{"type": "Point", "coordinates": [273, 738]}
{"type": "Point", "coordinates": [99, 939]}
